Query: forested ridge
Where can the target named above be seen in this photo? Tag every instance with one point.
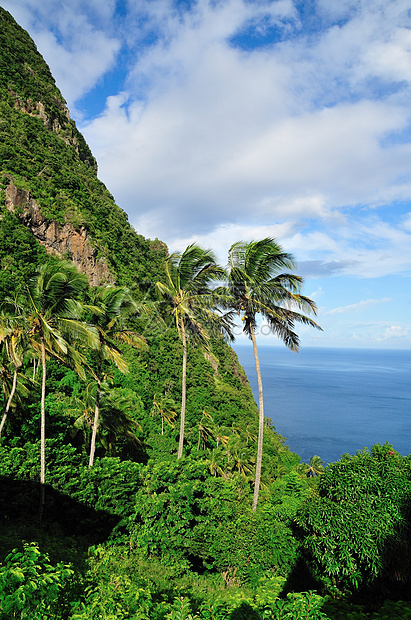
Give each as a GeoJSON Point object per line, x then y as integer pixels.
{"type": "Point", "coordinates": [133, 532]}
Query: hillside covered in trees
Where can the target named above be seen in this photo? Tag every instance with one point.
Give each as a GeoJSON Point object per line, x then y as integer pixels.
{"type": "Point", "coordinates": [99, 519]}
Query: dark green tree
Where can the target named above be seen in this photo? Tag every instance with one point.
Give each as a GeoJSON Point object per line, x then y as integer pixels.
{"type": "Point", "coordinates": [356, 525]}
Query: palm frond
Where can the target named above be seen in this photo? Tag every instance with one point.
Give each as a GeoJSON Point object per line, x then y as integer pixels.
{"type": "Point", "coordinates": [81, 332]}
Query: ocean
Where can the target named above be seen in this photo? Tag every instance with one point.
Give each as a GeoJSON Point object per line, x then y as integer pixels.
{"type": "Point", "coordinates": [333, 401]}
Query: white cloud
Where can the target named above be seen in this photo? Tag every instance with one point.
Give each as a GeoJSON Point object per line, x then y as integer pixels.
{"type": "Point", "coordinates": [361, 305]}
{"type": "Point", "coordinates": [76, 72]}
{"type": "Point", "coordinates": [224, 135]}
{"type": "Point", "coordinates": [361, 335]}
{"type": "Point", "coordinates": [173, 156]}
{"type": "Point", "coordinates": [396, 331]}
{"type": "Point", "coordinates": [222, 237]}
{"type": "Point", "coordinates": [391, 59]}
{"type": "Point", "coordinates": [317, 294]}
{"type": "Point", "coordinates": [407, 222]}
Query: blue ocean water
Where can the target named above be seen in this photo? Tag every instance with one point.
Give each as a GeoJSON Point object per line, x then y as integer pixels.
{"type": "Point", "coordinates": [332, 401]}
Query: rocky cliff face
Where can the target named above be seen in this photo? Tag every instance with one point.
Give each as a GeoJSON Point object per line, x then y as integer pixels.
{"type": "Point", "coordinates": [62, 240]}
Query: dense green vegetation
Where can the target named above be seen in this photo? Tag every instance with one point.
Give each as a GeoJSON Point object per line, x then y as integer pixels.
{"type": "Point", "coordinates": [135, 533]}
{"type": "Point", "coordinates": [42, 151]}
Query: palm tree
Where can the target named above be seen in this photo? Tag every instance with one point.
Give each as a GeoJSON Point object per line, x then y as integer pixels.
{"type": "Point", "coordinates": [110, 305]}
{"type": "Point", "coordinates": [116, 411]}
{"type": "Point", "coordinates": [315, 467]}
{"type": "Point", "coordinates": [187, 292]}
{"type": "Point", "coordinates": [53, 314]}
{"type": "Point", "coordinates": [257, 284]}
{"type": "Point", "coordinates": [221, 435]}
{"type": "Point", "coordinates": [249, 435]}
{"type": "Point", "coordinates": [216, 465]}
{"type": "Point", "coordinates": [206, 430]}
{"type": "Point", "coordinates": [12, 349]}
{"type": "Point", "coordinates": [164, 407]}
{"type": "Point", "coordinates": [116, 422]}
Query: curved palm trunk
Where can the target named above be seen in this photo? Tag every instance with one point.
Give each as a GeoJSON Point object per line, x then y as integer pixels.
{"type": "Point", "coordinates": [96, 416]}
{"type": "Point", "coordinates": [42, 428]}
{"type": "Point", "coordinates": [183, 392]}
{"type": "Point", "coordinates": [9, 401]}
{"type": "Point", "coordinates": [260, 421]}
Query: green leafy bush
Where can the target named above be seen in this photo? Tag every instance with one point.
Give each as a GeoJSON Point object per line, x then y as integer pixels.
{"type": "Point", "coordinates": [30, 587]}
{"type": "Point", "coordinates": [357, 526]}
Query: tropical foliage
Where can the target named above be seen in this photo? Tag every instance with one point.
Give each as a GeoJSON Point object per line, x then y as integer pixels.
{"type": "Point", "coordinates": [361, 507]}
{"type": "Point", "coordinates": [109, 304]}
{"type": "Point", "coordinates": [141, 535]}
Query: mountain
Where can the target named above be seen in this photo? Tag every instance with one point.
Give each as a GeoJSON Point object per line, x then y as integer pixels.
{"type": "Point", "coordinates": [50, 193]}
{"type": "Point", "coordinates": [52, 203]}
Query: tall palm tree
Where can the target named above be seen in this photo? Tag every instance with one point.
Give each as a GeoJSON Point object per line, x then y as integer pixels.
{"type": "Point", "coordinates": [187, 292]}
{"type": "Point", "coordinates": [110, 305]}
{"type": "Point", "coordinates": [258, 285]}
{"type": "Point", "coordinates": [53, 314]}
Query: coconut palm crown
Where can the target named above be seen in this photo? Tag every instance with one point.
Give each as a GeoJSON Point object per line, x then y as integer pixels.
{"type": "Point", "coordinates": [259, 282]}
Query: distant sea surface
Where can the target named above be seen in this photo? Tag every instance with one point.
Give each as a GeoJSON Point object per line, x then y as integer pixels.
{"type": "Point", "coordinates": [331, 401]}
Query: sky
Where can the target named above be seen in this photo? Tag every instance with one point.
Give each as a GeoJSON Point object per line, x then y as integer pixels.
{"type": "Point", "coordinates": [224, 120]}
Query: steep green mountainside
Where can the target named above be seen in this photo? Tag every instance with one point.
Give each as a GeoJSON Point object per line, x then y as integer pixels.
{"type": "Point", "coordinates": [45, 157]}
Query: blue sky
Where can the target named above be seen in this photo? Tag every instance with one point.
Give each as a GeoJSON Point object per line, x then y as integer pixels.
{"type": "Point", "coordinates": [214, 121]}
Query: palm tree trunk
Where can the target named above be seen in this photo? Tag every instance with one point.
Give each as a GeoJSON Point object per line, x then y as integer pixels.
{"type": "Point", "coordinates": [183, 392]}
{"type": "Point", "coordinates": [9, 401]}
{"type": "Point", "coordinates": [42, 428]}
{"type": "Point", "coordinates": [260, 421]}
{"type": "Point", "coordinates": [96, 415]}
